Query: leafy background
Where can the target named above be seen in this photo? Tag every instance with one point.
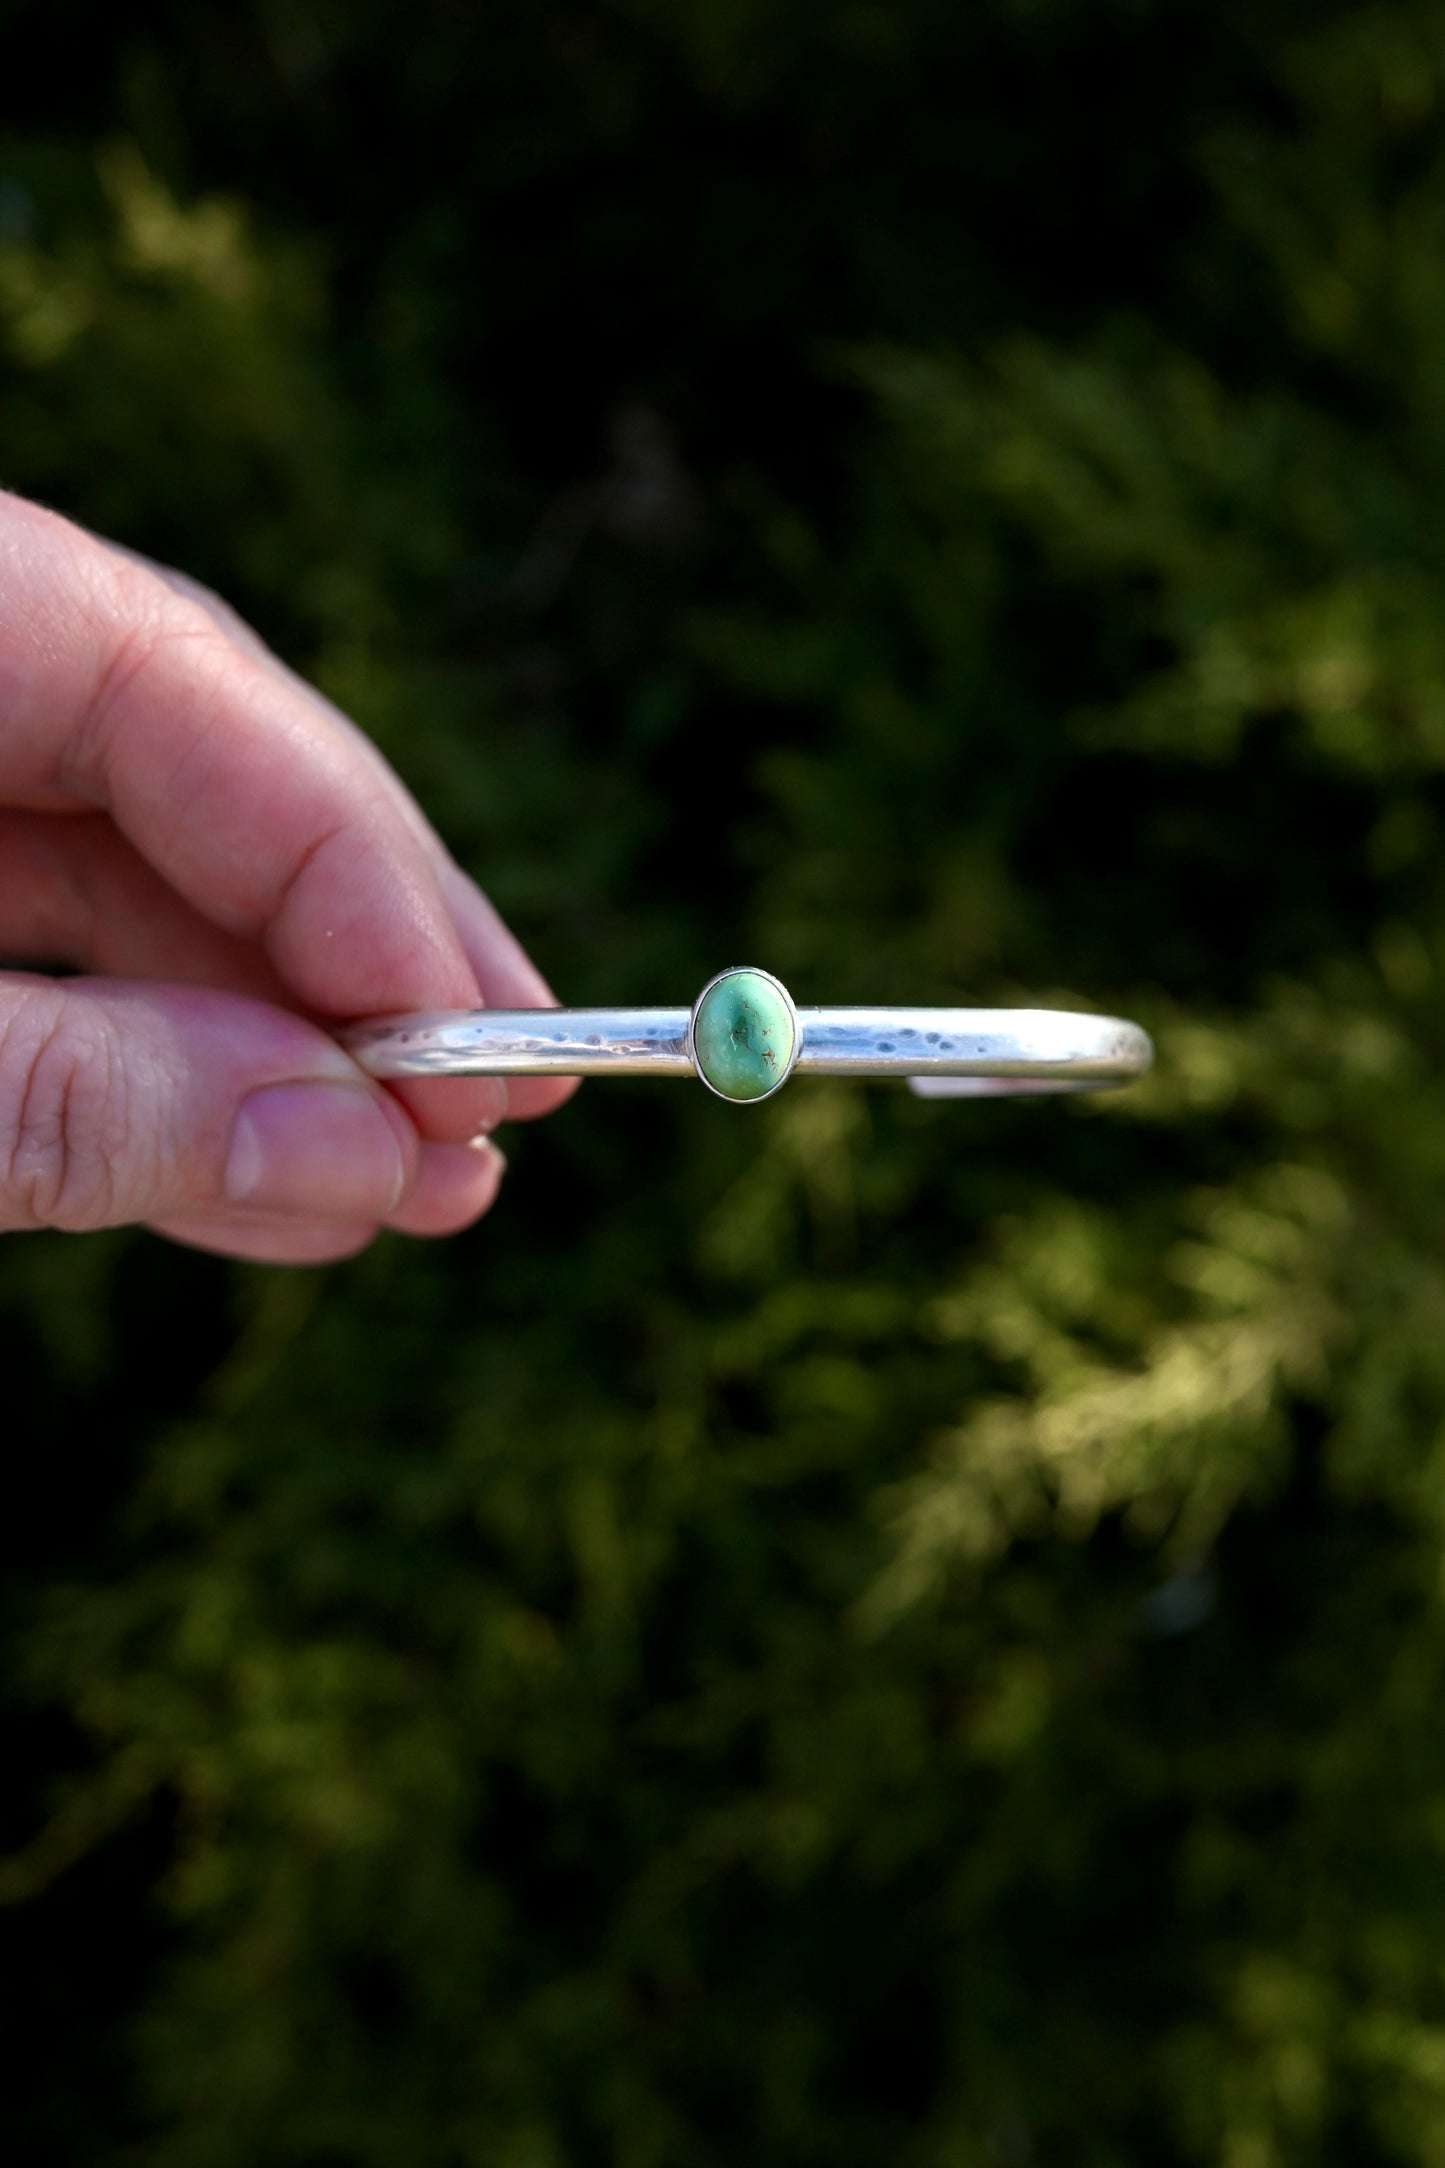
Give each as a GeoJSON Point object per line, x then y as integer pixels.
{"type": "Point", "coordinates": [867, 1631]}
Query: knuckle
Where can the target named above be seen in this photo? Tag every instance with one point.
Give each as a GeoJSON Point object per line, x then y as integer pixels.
{"type": "Point", "coordinates": [62, 1117]}
{"type": "Point", "coordinates": [196, 593]}
{"type": "Point", "coordinates": [147, 620]}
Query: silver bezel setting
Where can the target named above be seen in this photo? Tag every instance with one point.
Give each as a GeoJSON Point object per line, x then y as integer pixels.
{"type": "Point", "coordinates": [754, 971]}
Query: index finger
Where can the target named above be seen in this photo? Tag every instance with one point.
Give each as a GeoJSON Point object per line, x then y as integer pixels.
{"type": "Point", "coordinates": [115, 691]}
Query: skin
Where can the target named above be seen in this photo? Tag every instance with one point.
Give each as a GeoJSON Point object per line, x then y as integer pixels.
{"type": "Point", "coordinates": [235, 869]}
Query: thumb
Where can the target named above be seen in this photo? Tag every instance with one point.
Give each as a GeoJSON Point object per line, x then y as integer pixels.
{"type": "Point", "coordinates": [123, 1101]}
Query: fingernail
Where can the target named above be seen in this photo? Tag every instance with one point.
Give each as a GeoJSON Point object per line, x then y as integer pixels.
{"type": "Point", "coordinates": [321, 1151]}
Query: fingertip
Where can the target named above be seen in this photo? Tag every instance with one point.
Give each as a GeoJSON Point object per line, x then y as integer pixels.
{"type": "Point", "coordinates": [530, 1097]}
{"type": "Point", "coordinates": [453, 1109]}
{"type": "Point", "coordinates": [455, 1184]}
{"type": "Point", "coordinates": [321, 1151]}
{"type": "Point", "coordinates": [509, 980]}
{"type": "Point", "coordinates": [505, 972]}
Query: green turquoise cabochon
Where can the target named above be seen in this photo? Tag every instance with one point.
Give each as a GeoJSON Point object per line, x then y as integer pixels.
{"type": "Point", "coordinates": [744, 1035]}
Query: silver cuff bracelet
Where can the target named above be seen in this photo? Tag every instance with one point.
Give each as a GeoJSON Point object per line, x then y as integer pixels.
{"type": "Point", "coordinates": [744, 1037]}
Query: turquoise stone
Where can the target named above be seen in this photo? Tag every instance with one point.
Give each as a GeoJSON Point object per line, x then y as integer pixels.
{"type": "Point", "coordinates": [744, 1035]}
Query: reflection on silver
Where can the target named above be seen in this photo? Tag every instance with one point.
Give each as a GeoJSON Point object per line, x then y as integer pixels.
{"type": "Point", "coordinates": [943, 1053]}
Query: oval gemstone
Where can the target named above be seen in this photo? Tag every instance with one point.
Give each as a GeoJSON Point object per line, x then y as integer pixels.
{"type": "Point", "coordinates": [744, 1035]}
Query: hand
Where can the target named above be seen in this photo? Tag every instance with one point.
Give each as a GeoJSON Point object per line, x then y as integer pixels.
{"type": "Point", "coordinates": [182, 816]}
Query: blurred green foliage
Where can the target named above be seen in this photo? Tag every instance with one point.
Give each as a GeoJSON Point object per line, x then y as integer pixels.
{"type": "Point", "coordinates": [865, 1631]}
